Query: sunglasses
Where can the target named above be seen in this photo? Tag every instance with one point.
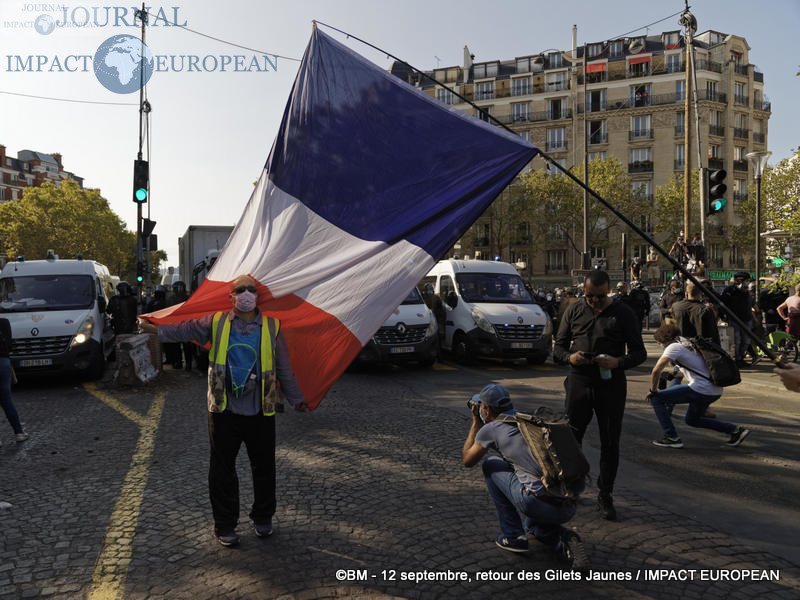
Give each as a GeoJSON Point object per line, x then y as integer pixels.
{"type": "Point", "coordinates": [245, 288]}
{"type": "Point", "coordinates": [596, 296]}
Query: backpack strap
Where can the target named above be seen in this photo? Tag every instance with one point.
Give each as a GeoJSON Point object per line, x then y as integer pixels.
{"type": "Point", "coordinates": [690, 345]}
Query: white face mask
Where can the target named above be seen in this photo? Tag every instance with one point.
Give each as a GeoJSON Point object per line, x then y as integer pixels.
{"type": "Point", "coordinates": [245, 302]}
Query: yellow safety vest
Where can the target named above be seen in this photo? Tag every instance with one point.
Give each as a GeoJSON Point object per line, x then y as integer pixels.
{"type": "Point", "coordinates": [218, 356]}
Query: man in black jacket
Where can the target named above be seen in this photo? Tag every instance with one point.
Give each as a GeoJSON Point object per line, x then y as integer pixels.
{"type": "Point", "coordinates": [694, 318]}
{"type": "Point", "coordinates": [672, 294]}
{"type": "Point", "coordinates": [737, 299]}
{"type": "Point", "coordinates": [592, 337]}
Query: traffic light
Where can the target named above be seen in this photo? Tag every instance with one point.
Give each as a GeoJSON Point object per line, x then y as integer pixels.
{"type": "Point", "coordinates": [716, 191]}
{"type": "Point", "coordinates": [139, 272]}
{"type": "Point", "coordinates": [141, 180]}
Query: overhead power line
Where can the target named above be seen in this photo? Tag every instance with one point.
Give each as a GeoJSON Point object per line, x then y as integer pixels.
{"type": "Point", "coordinates": [75, 100]}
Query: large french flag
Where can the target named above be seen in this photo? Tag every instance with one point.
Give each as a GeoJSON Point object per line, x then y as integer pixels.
{"type": "Point", "coordinates": [369, 182]}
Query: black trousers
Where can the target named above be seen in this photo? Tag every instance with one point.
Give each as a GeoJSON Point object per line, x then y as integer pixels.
{"type": "Point", "coordinates": [606, 399]}
{"type": "Point", "coordinates": [226, 432]}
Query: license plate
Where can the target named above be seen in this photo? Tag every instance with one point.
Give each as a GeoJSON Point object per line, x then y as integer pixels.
{"type": "Point", "coordinates": [36, 362]}
{"type": "Point", "coordinates": [401, 350]}
{"type": "Point", "coordinates": [521, 345]}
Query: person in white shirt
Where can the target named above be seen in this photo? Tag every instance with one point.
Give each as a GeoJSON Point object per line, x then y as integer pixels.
{"type": "Point", "coordinates": [698, 391]}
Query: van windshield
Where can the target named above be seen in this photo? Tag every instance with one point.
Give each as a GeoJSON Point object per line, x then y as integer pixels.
{"type": "Point", "coordinates": [46, 292]}
{"type": "Point", "coordinates": [413, 297]}
{"type": "Point", "coordinates": [493, 287]}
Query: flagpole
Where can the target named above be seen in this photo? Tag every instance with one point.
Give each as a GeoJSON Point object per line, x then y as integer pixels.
{"type": "Point", "coordinates": [706, 290]}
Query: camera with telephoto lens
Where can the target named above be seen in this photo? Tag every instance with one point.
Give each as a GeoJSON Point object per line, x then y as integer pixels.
{"type": "Point", "coordinates": [471, 403]}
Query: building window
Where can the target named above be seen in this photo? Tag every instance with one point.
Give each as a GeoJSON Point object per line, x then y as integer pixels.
{"type": "Point", "coordinates": [615, 49]}
{"type": "Point", "coordinates": [680, 156]}
{"type": "Point", "coordinates": [594, 155]}
{"type": "Point", "coordinates": [552, 171]}
{"type": "Point", "coordinates": [646, 223]}
{"type": "Point", "coordinates": [482, 114]}
{"type": "Point", "coordinates": [485, 70]}
{"type": "Point", "coordinates": [680, 90]}
{"type": "Point", "coordinates": [672, 39]}
{"type": "Point", "coordinates": [714, 151]}
{"type": "Point", "coordinates": [525, 135]}
{"type": "Point", "coordinates": [739, 153]}
{"type": "Point", "coordinates": [484, 91]}
{"type": "Point", "coordinates": [640, 161]}
{"type": "Point", "coordinates": [595, 50]}
{"type": "Point", "coordinates": [640, 127]}
{"type": "Point", "coordinates": [557, 139]}
{"type": "Point", "coordinates": [556, 261]}
{"type": "Point", "coordinates": [673, 63]}
{"type": "Point", "coordinates": [737, 260]}
{"type": "Point", "coordinates": [555, 60]}
{"type": "Point", "coordinates": [596, 130]}
{"type": "Point", "coordinates": [524, 65]}
{"type": "Point", "coordinates": [557, 232]}
{"type": "Point", "coordinates": [446, 96]}
{"type": "Point", "coordinates": [595, 101]}
{"type": "Point", "coordinates": [644, 189]}
{"type": "Point", "coordinates": [739, 190]}
{"type": "Point", "coordinates": [520, 112]}
{"type": "Point", "coordinates": [740, 94]}
{"type": "Point", "coordinates": [555, 82]}
{"type": "Point", "coordinates": [680, 117]}
{"type": "Point", "coordinates": [520, 86]}
{"type": "Point", "coordinates": [640, 69]}
{"type": "Point", "coordinates": [640, 95]}
{"type": "Point", "coordinates": [556, 109]}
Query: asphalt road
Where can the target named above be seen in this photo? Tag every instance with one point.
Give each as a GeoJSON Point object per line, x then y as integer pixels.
{"type": "Point", "coordinates": [108, 498]}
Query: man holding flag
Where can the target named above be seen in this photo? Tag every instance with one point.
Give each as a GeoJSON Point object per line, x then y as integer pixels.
{"type": "Point", "coordinates": [247, 360]}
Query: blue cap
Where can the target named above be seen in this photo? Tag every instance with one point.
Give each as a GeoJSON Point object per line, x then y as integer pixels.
{"type": "Point", "coordinates": [495, 396]}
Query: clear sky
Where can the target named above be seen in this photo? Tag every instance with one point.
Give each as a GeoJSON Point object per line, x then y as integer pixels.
{"type": "Point", "coordinates": [212, 131]}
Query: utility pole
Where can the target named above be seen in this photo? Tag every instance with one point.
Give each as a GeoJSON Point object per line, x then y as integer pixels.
{"type": "Point", "coordinates": [585, 264]}
{"type": "Point", "coordinates": [689, 22]}
{"type": "Point", "coordinates": [142, 251]}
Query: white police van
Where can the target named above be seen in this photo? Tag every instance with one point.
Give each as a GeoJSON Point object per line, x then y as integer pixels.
{"type": "Point", "coordinates": [57, 312]}
{"type": "Point", "coordinates": [484, 309]}
{"type": "Point", "coordinates": [408, 335]}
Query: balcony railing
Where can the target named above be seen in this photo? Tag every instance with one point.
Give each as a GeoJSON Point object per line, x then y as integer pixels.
{"type": "Point", "coordinates": [556, 86]}
{"type": "Point", "coordinates": [757, 76]}
{"type": "Point", "coordinates": [485, 95]}
{"type": "Point", "coordinates": [633, 73]}
{"type": "Point", "coordinates": [640, 134]}
{"type": "Point", "coordinates": [741, 100]}
{"type": "Point", "coordinates": [598, 77]}
{"type": "Point", "coordinates": [709, 65]}
{"type": "Point", "coordinates": [741, 69]}
{"type": "Point", "coordinates": [741, 134]}
{"type": "Point", "coordinates": [764, 105]}
{"type": "Point", "coordinates": [535, 116]}
{"type": "Point", "coordinates": [713, 96]}
{"type": "Point", "coordinates": [758, 138]}
{"type": "Point", "coordinates": [716, 261]}
{"type": "Point", "coordinates": [717, 130]}
{"type": "Point", "coordinates": [679, 165]}
{"type": "Point", "coordinates": [740, 165]}
{"type": "Point", "coordinates": [557, 146]}
{"type": "Point", "coordinates": [598, 138]}
{"type": "Point", "coordinates": [640, 166]}
{"type": "Point", "coordinates": [715, 164]}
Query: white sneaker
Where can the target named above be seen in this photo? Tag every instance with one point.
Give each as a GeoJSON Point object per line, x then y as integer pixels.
{"type": "Point", "coordinates": [21, 437]}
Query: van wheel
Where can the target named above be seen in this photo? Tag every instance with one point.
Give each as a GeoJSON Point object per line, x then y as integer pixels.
{"type": "Point", "coordinates": [461, 349]}
{"type": "Point", "coordinates": [537, 359]}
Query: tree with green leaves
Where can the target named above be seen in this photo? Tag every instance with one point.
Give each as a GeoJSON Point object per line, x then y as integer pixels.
{"type": "Point", "coordinates": [69, 220]}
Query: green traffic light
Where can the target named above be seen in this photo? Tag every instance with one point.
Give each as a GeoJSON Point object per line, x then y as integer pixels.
{"type": "Point", "coordinates": [718, 204]}
{"type": "Point", "coordinates": [141, 195]}
{"type": "Point", "coordinates": [139, 278]}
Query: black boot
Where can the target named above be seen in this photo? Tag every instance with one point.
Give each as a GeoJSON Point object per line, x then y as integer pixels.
{"type": "Point", "coordinates": [605, 506]}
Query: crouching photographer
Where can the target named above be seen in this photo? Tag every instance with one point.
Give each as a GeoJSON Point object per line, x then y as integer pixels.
{"type": "Point", "coordinates": [513, 478]}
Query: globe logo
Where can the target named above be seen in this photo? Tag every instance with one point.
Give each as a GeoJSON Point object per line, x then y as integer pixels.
{"type": "Point", "coordinates": [118, 64]}
{"type": "Point", "coordinates": [44, 24]}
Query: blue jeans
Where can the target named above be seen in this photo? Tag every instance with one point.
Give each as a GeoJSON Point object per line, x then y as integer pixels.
{"type": "Point", "coordinates": [5, 395]}
{"type": "Point", "coordinates": [664, 400]}
{"type": "Point", "coordinates": [741, 340]}
{"type": "Point", "coordinates": [542, 519]}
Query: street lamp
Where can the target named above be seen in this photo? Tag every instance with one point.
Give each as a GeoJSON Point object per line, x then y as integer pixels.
{"type": "Point", "coordinates": [758, 160]}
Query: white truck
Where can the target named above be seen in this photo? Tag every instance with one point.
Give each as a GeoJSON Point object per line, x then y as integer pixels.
{"type": "Point", "coordinates": [198, 248]}
{"type": "Point", "coordinates": [57, 312]}
{"type": "Point", "coordinates": [484, 309]}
